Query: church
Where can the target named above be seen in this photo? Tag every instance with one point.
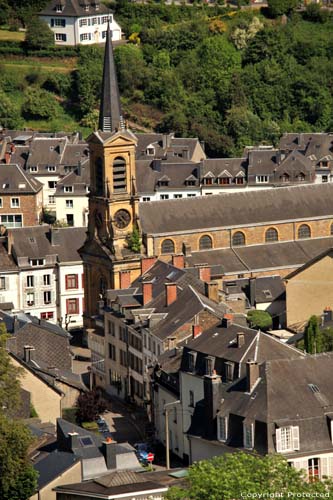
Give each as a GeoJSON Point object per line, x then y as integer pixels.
{"type": "Point", "coordinates": [239, 234]}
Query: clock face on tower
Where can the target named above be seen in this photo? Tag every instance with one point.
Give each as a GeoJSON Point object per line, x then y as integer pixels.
{"type": "Point", "coordinates": [122, 218]}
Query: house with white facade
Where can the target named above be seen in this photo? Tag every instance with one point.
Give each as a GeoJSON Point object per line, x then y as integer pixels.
{"type": "Point", "coordinates": [48, 273]}
{"type": "Point", "coordinates": [71, 198]}
{"type": "Point", "coordinates": [76, 22]}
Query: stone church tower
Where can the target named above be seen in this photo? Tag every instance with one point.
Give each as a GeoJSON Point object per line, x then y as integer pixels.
{"type": "Point", "coordinates": [113, 200]}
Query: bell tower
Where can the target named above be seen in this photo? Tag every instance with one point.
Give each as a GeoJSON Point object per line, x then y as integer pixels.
{"type": "Point", "coordinates": [113, 200]}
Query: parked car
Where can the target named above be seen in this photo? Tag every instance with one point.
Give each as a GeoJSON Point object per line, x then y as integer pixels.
{"type": "Point", "coordinates": [142, 451]}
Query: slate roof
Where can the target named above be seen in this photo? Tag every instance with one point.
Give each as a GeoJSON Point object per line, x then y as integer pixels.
{"type": "Point", "coordinates": [219, 165]}
{"type": "Point", "coordinates": [238, 209]}
{"type": "Point", "coordinates": [53, 465]}
{"type": "Point", "coordinates": [36, 242]}
{"type": "Point", "coordinates": [6, 261]}
{"type": "Point", "coordinates": [74, 8]}
{"type": "Point", "coordinates": [12, 176]}
{"type": "Point", "coordinates": [79, 180]}
{"type": "Point", "coordinates": [147, 176]}
{"type": "Point", "coordinates": [310, 262]}
{"type": "Point", "coordinates": [176, 148]}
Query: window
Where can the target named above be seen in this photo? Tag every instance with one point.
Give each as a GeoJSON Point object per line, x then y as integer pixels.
{"type": "Point", "coordinates": [238, 239]}
{"type": "Point", "coordinates": [51, 200]}
{"type": "Point", "coordinates": [209, 365]}
{"type": "Point", "coordinates": [303, 232]}
{"type": "Point", "coordinates": [150, 151]}
{"type": "Point", "coordinates": [69, 204]}
{"type": "Point", "coordinates": [178, 196]}
{"type": "Point", "coordinates": [59, 7]}
{"type": "Point", "coordinates": [205, 243]}
{"type": "Point", "coordinates": [224, 180]}
{"type": "Point", "coordinates": [301, 177]}
{"type": "Point", "coordinates": [261, 179]}
{"type": "Point", "coordinates": [248, 436]}
{"type": "Point", "coordinates": [222, 428]}
{"type": "Point", "coordinates": [51, 168]}
{"type": "Point", "coordinates": [191, 195]}
{"type": "Point", "coordinates": [47, 315]}
{"type": "Point", "coordinates": [105, 19]}
{"type": "Point", "coordinates": [72, 306]}
{"type": "Point", "coordinates": [119, 175]}
{"type": "Point", "coordinates": [313, 470]}
{"type": "Point", "coordinates": [94, 21]}
{"type": "Point", "coordinates": [1, 203]}
{"type": "Point", "coordinates": [47, 279]}
{"type": "Point", "coordinates": [112, 352]}
{"type": "Point", "coordinates": [30, 281]}
{"type": "Point", "coordinates": [59, 22]}
{"type": "Point", "coordinates": [191, 359]}
{"type": "Point", "coordinates": [15, 202]}
{"type": "Point", "coordinates": [123, 357]}
{"type": "Point", "coordinates": [30, 297]}
{"type": "Point", "coordinates": [68, 189]}
{"type": "Point", "coordinates": [59, 37]}
{"type": "Point", "coordinates": [112, 330]}
{"type": "Point", "coordinates": [33, 169]}
{"type": "Point", "coordinates": [239, 180]}
{"type": "Point", "coordinates": [83, 22]}
{"type": "Point", "coordinates": [104, 34]}
{"type": "Point", "coordinates": [37, 262]}
{"type": "Point", "coordinates": [70, 219]}
{"type": "Point", "coordinates": [72, 281]}
{"type": "Point", "coordinates": [146, 198]}
{"type": "Point", "coordinates": [324, 178]}
{"type": "Point", "coordinates": [285, 178]}
{"type": "Point", "coordinates": [229, 371]}
{"type": "Point", "coordinates": [47, 297]}
{"type": "Point", "coordinates": [167, 246]}
{"type": "Point", "coordinates": [52, 184]}
{"type": "Point", "coordinates": [164, 197]}
{"type": "Point", "coordinates": [208, 181]}
{"type": "Point", "coordinates": [11, 220]}
{"type": "Point", "coordinates": [287, 439]}
{"type": "Point", "coordinates": [191, 399]}
{"type": "Point", "coordinates": [271, 235]}
{"type": "Point", "coordinates": [3, 283]}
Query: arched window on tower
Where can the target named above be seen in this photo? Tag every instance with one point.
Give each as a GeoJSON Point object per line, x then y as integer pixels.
{"type": "Point", "coordinates": [304, 231]}
{"type": "Point", "coordinates": [205, 243]}
{"type": "Point", "coordinates": [99, 177]}
{"type": "Point", "coordinates": [168, 246]}
{"type": "Point", "coordinates": [271, 235]}
{"type": "Point", "coordinates": [119, 175]}
{"type": "Point", "coordinates": [238, 239]}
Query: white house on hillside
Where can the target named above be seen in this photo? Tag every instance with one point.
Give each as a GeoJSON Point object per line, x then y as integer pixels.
{"type": "Point", "coordinates": [76, 22]}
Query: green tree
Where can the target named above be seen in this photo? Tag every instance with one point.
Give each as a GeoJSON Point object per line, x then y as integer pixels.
{"type": "Point", "coordinates": [313, 342]}
{"type": "Point", "coordinates": [17, 478]}
{"type": "Point", "coordinates": [38, 34]}
{"type": "Point", "coordinates": [9, 112]}
{"type": "Point", "coordinates": [134, 241]}
{"type": "Point", "coordinates": [280, 7]}
{"type": "Point", "coordinates": [39, 104]}
{"type": "Point", "coordinates": [259, 319]}
{"type": "Point", "coordinates": [239, 475]}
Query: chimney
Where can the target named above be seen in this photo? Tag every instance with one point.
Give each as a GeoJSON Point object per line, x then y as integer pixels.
{"type": "Point", "coordinates": [204, 273]}
{"type": "Point", "coordinates": [212, 291]}
{"type": "Point", "coordinates": [147, 263]}
{"type": "Point", "coordinates": [10, 241]}
{"type": "Point", "coordinates": [187, 250]}
{"type": "Point", "coordinates": [109, 452]}
{"type": "Point", "coordinates": [178, 261]}
{"type": "Point", "coordinates": [186, 154]}
{"type": "Point", "coordinates": [327, 314]}
{"type": "Point", "coordinates": [28, 352]}
{"type": "Point", "coordinates": [252, 374]}
{"type": "Point", "coordinates": [240, 339]}
{"type": "Point", "coordinates": [196, 331]}
{"type": "Point", "coordinates": [227, 320]}
{"type": "Point", "coordinates": [54, 236]}
{"type": "Point", "coordinates": [170, 293]}
{"type": "Point", "coordinates": [73, 440]}
{"type": "Point", "coordinates": [212, 397]}
{"type": "Point", "coordinates": [147, 291]}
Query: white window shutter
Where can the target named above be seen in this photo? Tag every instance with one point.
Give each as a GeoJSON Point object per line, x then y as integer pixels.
{"type": "Point", "coordinates": [252, 435]}
{"type": "Point", "coordinates": [226, 423]}
{"type": "Point", "coordinates": [278, 440]}
{"type": "Point", "coordinates": [330, 467]}
{"type": "Point", "coordinates": [244, 435]}
{"type": "Point", "coordinates": [7, 283]}
{"type": "Point", "coordinates": [295, 436]}
{"type": "Point", "coordinates": [324, 467]}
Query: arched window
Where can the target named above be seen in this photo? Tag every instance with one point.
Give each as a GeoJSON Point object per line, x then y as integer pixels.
{"type": "Point", "coordinates": [271, 235]}
{"type": "Point", "coordinates": [238, 239]}
{"type": "Point", "coordinates": [119, 175]}
{"type": "Point", "coordinates": [205, 243]}
{"type": "Point", "coordinates": [99, 177]}
{"type": "Point", "coordinates": [304, 231]}
{"type": "Point", "coordinates": [168, 246]}
{"type": "Point", "coordinates": [331, 229]}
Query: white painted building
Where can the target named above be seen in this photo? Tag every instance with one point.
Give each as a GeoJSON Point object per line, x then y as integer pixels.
{"type": "Point", "coordinates": [79, 22]}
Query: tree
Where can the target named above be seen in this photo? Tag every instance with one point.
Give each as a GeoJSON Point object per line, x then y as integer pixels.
{"type": "Point", "coordinates": [17, 478]}
{"type": "Point", "coordinates": [39, 104]}
{"type": "Point", "coordinates": [89, 406]}
{"type": "Point", "coordinates": [134, 241]}
{"type": "Point", "coordinates": [259, 319]}
{"type": "Point", "coordinates": [241, 475]}
{"type": "Point", "coordinates": [38, 34]}
{"type": "Point", "coordinates": [279, 7]}
{"type": "Point", "coordinates": [9, 113]}
{"type": "Point", "coordinates": [313, 336]}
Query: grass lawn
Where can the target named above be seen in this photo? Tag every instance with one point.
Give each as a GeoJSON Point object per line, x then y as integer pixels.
{"type": "Point", "coordinates": [15, 36]}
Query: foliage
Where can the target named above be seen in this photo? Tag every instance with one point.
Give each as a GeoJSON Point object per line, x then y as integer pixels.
{"type": "Point", "coordinates": [242, 34]}
{"type": "Point", "coordinates": [280, 7]}
{"type": "Point", "coordinates": [9, 112]}
{"type": "Point", "coordinates": [33, 412]}
{"type": "Point", "coordinates": [259, 319]}
{"type": "Point", "coordinates": [134, 241]}
{"type": "Point", "coordinates": [241, 475]}
{"type": "Point", "coordinates": [38, 34]}
{"type": "Point", "coordinates": [89, 406]}
{"type": "Point", "coordinates": [39, 103]}
{"type": "Point", "coordinates": [313, 336]}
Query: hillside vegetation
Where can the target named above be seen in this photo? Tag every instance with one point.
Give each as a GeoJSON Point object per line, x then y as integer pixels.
{"type": "Point", "coordinates": [233, 78]}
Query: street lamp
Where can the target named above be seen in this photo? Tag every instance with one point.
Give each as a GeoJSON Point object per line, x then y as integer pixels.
{"type": "Point", "coordinates": [166, 413]}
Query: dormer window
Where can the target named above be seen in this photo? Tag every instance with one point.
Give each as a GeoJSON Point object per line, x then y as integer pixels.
{"type": "Point", "coordinates": [191, 359]}
{"type": "Point", "coordinates": [222, 428]}
{"type": "Point", "coordinates": [68, 189]}
{"type": "Point", "coordinates": [37, 262]}
{"type": "Point", "coordinates": [164, 181]}
{"type": "Point", "coordinates": [150, 151]}
{"type": "Point", "coordinates": [51, 168]}
{"type": "Point", "coordinates": [229, 371]}
{"type": "Point", "coordinates": [209, 365]}
{"type": "Point", "coordinates": [287, 439]}
{"type": "Point", "coordinates": [34, 169]}
{"type": "Point", "coordinates": [248, 435]}
{"type": "Point", "coordinates": [301, 177]}
{"type": "Point", "coordinates": [59, 7]}
{"type": "Point", "coordinates": [225, 177]}
{"type": "Point", "coordinates": [285, 178]}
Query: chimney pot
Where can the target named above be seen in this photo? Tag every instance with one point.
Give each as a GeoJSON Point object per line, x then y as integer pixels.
{"type": "Point", "coordinates": [147, 291]}
{"type": "Point", "coordinates": [196, 331]}
{"type": "Point", "coordinates": [171, 293]}
{"type": "Point", "coordinates": [178, 261]}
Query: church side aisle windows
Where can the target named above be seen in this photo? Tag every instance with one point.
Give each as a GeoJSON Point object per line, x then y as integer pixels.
{"type": "Point", "coordinates": [238, 239]}
{"type": "Point", "coordinates": [168, 246]}
{"type": "Point", "coordinates": [304, 231]}
{"type": "Point", "coordinates": [205, 243]}
{"type": "Point", "coordinates": [271, 235]}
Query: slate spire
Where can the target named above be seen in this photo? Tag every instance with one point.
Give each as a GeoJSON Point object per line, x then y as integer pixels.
{"type": "Point", "coordinates": [110, 115]}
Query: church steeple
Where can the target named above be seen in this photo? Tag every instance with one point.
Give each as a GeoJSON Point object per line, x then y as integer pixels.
{"type": "Point", "coordinates": [110, 115]}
